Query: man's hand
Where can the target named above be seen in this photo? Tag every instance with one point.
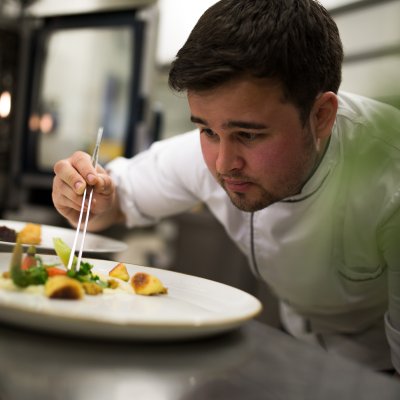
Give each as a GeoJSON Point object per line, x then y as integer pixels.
{"type": "Point", "coordinates": [72, 176]}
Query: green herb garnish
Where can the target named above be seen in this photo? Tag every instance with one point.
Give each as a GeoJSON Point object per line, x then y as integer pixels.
{"type": "Point", "coordinates": [36, 275]}
{"type": "Point", "coordinates": [85, 274]}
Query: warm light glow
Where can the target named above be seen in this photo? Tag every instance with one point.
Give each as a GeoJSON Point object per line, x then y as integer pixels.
{"type": "Point", "coordinates": [5, 104]}
{"type": "Point", "coordinates": [34, 122]}
{"type": "Point", "coordinates": [46, 123]}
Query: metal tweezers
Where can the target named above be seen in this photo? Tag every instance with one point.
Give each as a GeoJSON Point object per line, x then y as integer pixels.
{"type": "Point", "coordinates": [95, 157]}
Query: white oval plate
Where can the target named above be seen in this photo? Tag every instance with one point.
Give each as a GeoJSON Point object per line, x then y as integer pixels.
{"type": "Point", "coordinates": [194, 307]}
{"type": "Point", "coordinates": [93, 243]}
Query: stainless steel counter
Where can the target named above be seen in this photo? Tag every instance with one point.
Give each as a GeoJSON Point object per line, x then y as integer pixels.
{"type": "Point", "coordinates": [254, 362]}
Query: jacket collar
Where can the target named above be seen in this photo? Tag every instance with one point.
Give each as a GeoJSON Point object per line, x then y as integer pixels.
{"type": "Point", "coordinates": [321, 173]}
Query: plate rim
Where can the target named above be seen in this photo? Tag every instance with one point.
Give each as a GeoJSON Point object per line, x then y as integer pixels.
{"type": "Point", "coordinates": [118, 245]}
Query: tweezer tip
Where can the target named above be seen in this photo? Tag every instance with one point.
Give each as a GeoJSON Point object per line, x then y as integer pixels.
{"type": "Point", "coordinates": [99, 134]}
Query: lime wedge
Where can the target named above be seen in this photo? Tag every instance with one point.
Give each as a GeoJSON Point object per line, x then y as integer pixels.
{"type": "Point", "coordinates": [63, 251]}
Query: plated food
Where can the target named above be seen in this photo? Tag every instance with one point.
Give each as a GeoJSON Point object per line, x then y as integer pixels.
{"type": "Point", "coordinates": [194, 307]}
{"type": "Point", "coordinates": [29, 234]}
{"type": "Point", "coordinates": [94, 243]}
{"type": "Point", "coordinates": [108, 299]}
{"type": "Point", "coordinates": [7, 234]}
{"type": "Point", "coordinates": [28, 271]}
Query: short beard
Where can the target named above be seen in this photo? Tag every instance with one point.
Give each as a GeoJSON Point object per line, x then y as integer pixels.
{"type": "Point", "coordinates": [243, 205]}
{"type": "Point", "coordinates": [239, 199]}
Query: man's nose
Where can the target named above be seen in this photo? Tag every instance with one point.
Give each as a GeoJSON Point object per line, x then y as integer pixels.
{"type": "Point", "coordinates": [229, 158]}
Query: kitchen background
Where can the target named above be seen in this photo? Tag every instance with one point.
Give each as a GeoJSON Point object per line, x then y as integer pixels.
{"type": "Point", "coordinates": [49, 107]}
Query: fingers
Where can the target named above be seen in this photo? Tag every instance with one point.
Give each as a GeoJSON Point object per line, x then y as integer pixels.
{"type": "Point", "coordinates": [104, 184]}
{"type": "Point", "coordinates": [65, 199]}
{"type": "Point", "coordinates": [76, 172]}
{"type": "Point", "coordinates": [72, 176]}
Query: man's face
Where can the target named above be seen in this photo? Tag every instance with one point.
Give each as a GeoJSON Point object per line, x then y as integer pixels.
{"type": "Point", "coordinates": [253, 142]}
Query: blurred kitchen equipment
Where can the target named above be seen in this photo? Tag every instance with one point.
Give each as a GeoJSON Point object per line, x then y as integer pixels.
{"type": "Point", "coordinates": [82, 64]}
{"type": "Point", "coordinates": [9, 43]}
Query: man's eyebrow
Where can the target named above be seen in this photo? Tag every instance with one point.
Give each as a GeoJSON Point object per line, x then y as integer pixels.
{"type": "Point", "coordinates": [245, 125]}
{"type": "Point", "coordinates": [232, 124]}
{"type": "Point", "coordinates": [197, 120]}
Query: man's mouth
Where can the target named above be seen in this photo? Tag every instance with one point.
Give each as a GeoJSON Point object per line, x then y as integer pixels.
{"type": "Point", "coordinates": [236, 185]}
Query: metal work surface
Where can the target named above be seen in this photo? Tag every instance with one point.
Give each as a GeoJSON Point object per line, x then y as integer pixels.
{"type": "Point", "coordinates": [254, 362]}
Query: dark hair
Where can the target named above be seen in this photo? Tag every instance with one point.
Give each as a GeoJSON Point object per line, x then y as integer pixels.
{"type": "Point", "coordinates": [295, 42]}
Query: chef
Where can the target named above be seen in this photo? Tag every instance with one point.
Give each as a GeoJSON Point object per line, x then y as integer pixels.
{"type": "Point", "coordinates": [304, 178]}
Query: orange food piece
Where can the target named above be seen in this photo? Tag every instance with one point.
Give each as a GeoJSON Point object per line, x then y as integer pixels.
{"type": "Point", "coordinates": [120, 272]}
{"type": "Point", "coordinates": [30, 234]}
{"type": "Point", "coordinates": [63, 287]}
{"type": "Point", "coordinates": [28, 261]}
{"type": "Point", "coordinates": [147, 284]}
{"type": "Point", "coordinates": [53, 271]}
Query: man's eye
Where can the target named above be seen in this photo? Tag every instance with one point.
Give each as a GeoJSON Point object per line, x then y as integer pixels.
{"type": "Point", "coordinates": [208, 132]}
{"type": "Point", "coordinates": [247, 136]}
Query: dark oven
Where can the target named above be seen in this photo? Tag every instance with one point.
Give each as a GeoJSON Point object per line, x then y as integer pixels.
{"type": "Point", "coordinates": [9, 45]}
{"type": "Point", "coordinates": [80, 68]}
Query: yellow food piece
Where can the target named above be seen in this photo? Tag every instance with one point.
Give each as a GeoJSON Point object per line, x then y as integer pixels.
{"type": "Point", "coordinates": [92, 288]}
{"type": "Point", "coordinates": [30, 234]}
{"type": "Point", "coordinates": [120, 272]}
{"type": "Point", "coordinates": [147, 284]}
{"type": "Point", "coordinates": [113, 284]}
{"type": "Point", "coordinates": [63, 287]}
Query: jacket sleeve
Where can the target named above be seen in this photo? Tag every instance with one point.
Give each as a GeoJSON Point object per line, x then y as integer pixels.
{"type": "Point", "coordinates": [161, 181]}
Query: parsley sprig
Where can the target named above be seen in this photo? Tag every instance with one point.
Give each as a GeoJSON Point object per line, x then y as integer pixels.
{"type": "Point", "coordinates": [85, 274]}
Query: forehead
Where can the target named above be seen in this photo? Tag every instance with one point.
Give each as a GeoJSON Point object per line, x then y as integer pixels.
{"type": "Point", "coordinates": [248, 97]}
{"type": "Point", "coordinates": [241, 93]}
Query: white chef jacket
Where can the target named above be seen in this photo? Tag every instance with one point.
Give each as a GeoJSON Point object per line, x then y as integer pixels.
{"type": "Point", "coordinates": [331, 253]}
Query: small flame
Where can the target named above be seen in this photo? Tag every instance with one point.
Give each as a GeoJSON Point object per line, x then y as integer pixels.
{"type": "Point", "coordinates": [5, 104]}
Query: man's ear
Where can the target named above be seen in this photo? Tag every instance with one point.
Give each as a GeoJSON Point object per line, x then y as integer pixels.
{"type": "Point", "coordinates": [323, 115]}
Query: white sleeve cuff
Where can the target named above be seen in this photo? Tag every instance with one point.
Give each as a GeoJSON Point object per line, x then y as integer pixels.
{"type": "Point", "coordinates": [133, 217]}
